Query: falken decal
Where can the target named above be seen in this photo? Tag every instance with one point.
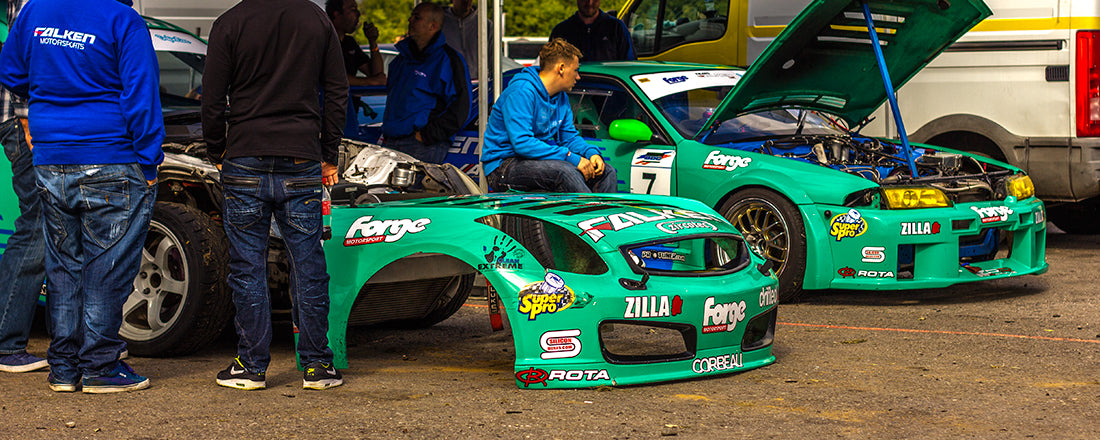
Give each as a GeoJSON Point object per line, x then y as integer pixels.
{"type": "Point", "coordinates": [850, 224]}
{"type": "Point", "coordinates": [366, 230]}
{"type": "Point", "coordinates": [594, 227]}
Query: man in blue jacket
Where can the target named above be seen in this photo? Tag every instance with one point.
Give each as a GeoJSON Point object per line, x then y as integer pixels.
{"type": "Point", "coordinates": [90, 73]}
{"type": "Point", "coordinates": [429, 90]}
{"type": "Point", "coordinates": [531, 143]}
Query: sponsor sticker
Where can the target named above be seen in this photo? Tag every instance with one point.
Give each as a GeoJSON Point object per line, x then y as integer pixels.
{"type": "Point", "coordinates": [560, 344]}
{"type": "Point", "coordinates": [662, 255]}
{"type": "Point", "coordinates": [850, 224]}
{"type": "Point", "coordinates": [714, 364]}
{"type": "Point", "coordinates": [672, 227]}
{"type": "Point", "coordinates": [874, 254]}
{"type": "Point", "coordinates": [502, 254]}
{"type": "Point", "coordinates": [545, 297]}
{"type": "Point", "coordinates": [989, 272]}
{"type": "Point", "coordinates": [532, 376]}
{"type": "Point", "coordinates": [920, 228]}
{"type": "Point", "coordinates": [722, 317]}
{"type": "Point", "coordinates": [652, 306]}
{"type": "Point", "coordinates": [595, 227]}
{"type": "Point", "coordinates": [718, 161]}
{"type": "Point", "coordinates": [768, 296]}
{"type": "Point", "coordinates": [675, 79]}
{"type": "Point", "coordinates": [366, 230]}
{"type": "Point", "coordinates": [991, 214]}
{"type": "Point", "coordinates": [848, 272]}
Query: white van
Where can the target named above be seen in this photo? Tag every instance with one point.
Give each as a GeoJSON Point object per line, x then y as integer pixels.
{"type": "Point", "coordinates": [194, 15]}
{"type": "Point", "coordinates": [1023, 87]}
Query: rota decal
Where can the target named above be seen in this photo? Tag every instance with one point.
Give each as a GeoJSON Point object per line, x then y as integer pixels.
{"type": "Point", "coordinates": [532, 376]}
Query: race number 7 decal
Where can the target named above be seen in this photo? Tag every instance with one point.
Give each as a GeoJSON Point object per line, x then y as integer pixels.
{"type": "Point", "coordinates": [652, 178]}
{"type": "Point", "coordinates": [651, 172]}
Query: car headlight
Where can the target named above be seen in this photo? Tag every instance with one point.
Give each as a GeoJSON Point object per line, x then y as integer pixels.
{"type": "Point", "coordinates": [1020, 186]}
{"type": "Point", "coordinates": [912, 198]}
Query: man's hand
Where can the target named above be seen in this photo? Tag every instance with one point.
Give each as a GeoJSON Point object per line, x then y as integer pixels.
{"type": "Point", "coordinates": [151, 182]}
{"type": "Point", "coordinates": [598, 164]}
{"type": "Point", "coordinates": [588, 170]}
{"type": "Point", "coordinates": [26, 133]}
{"type": "Point", "coordinates": [416, 135]}
{"type": "Point", "coordinates": [329, 174]}
{"type": "Point", "coordinates": [218, 166]}
{"type": "Point", "coordinates": [371, 32]}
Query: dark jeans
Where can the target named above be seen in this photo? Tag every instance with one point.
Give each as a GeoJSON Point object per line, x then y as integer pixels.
{"type": "Point", "coordinates": [425, 153]}
{"type": "Point", "coordinates": [255, 188]}
{"type": "Point", "coordinates": [96, 218]}
{"type": "Point", "coordinates": [550, 175]}
{"type": "Point", "coordinates": [21, 266]}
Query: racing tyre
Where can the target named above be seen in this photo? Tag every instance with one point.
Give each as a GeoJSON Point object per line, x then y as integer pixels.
{"type": "Point", "coordinates": [772, 227]}
{"type": "Point", "coordinates": [180, 300]}
{"type": "Point", "coordinates": [1077, 218]}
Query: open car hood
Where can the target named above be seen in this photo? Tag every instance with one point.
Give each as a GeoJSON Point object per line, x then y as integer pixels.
{"type": "Point", "coordinates": [824, 60]}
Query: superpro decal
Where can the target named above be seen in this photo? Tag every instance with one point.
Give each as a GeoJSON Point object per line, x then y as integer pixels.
{"type": "Point", "coordinates": [560, 344]}
{"type": "Point", "coordinates": [366, 230]}
{"type": "Point", "coordinates": [545, 297]}
{"type": "Point", "coordinates": [717, 363]}
{"type": "Point", "coordinates": [502, 254]}
{"type": "Point", "coordinates": [718, 317]}
{"type": "Point", "coordinates": [718, 161]}
{"type": "Point", "coordinates": [850, 224]}
{"type": "Point", "coordinates": [594, 227]}
{"type": "Point", "coordinates": [992, 214]}
{"type": "Point", "coordinates": [532, 376]}
{"type": "Point", "coordinates": [652, 306]}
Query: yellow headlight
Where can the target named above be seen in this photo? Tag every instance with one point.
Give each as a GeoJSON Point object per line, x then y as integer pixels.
{"type": "Point", "coordinates": [911, 198]}
{"type": "Point", "coordinates": [1020, 186]}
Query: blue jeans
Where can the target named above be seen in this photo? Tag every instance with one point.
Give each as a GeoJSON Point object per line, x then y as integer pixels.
{"type": "Point", "coordinates": [549, 175]}
{"type": "Point", "coordinates": [21, 267]}
{"type": "Point", "coordinates": [96, 218]}
{"type": "Point", "coordinates": [425, 153]}
{"type": "Point", "coordinates": [255, 188]}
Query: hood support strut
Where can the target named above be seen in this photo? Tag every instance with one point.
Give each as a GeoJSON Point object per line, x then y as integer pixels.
{"type": "Point", "coordinates": [889, 85]}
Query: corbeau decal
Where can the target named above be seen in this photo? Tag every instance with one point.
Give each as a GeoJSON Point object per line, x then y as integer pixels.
{"type": "Point", "coordinates": [560, 344]}
{"type": "Point", "coordinates": [850, 224]}
{"type": "Point", "coordinates": [652, 306]}
{"type": "Point", "coordinates": [548, 296]}
{"type": "Point", "coordinates": [722, 317]}
{"type": "Point", "coordinates": [768, 296]}
{"type": "Point", "coordinates": [678, 225]}
{"type": "Point", "coordinates": [718, 161]}
{"type": "Point", "coordinates": [366, 231]}
{"type": "Point", "coordinates": [502, 254]}
{"type": "Point", "coordinates": [539, 376]}
{"type": "Point", "coordinates": [920, 228]}
{"type": "Point", "coordinates": [874, 254]}
{"type": "Point", "coordinates": [594, 227]}
{"type": "Point", "coordinates": [717, 363]}
{"type": "Point", "coordinates": [992, 214]}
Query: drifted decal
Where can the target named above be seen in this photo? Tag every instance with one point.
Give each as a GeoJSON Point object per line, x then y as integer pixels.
{"type": "Point", "coordinates": [594, 227]}
{"type": "Point", "coordinates": [366, 230]}
{"type": "Point", "coordinates": [850, 224]}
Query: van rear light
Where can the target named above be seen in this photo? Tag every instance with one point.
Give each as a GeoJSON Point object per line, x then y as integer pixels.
{"type": "Point", "coordinates": [1088, 83]}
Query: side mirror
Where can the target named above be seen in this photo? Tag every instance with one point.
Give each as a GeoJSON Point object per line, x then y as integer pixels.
{"type": "Point", "coordinates": [630, 130]}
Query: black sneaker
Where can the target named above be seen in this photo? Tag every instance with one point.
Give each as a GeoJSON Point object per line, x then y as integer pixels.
{"type": "Point", "coordinates": [59, 385]}
{"type": "Point", "coordinates": [320, 376]}
{"type": "Point", "coordinates": [236, 376]}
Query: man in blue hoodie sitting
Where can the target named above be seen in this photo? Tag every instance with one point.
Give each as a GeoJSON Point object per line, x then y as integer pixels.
{"type": "Point", "coordinates": [90, 73]}
{"type": "Point", "coordinates": [531, 142]}
{"type": "Point", "coordinates": [429, 90]}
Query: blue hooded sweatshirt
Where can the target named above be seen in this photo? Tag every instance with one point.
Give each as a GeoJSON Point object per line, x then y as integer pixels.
{"type": "Point", "coordinates": [528, 123]}
{"type": "Point", "coordinates": [429, 92]}
{"type": "Point", "coordinates": [91, 76]}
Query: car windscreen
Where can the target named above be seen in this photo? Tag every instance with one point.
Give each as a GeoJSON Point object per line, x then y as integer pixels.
{"type": "Point", "coordinates": [774, 123]}
{"type": "Point", "coordinates": [687, 98]}
{"type": "Point", "coordinates": [689, 256]}
{"type": "Point", "coordinates": [181, 58]}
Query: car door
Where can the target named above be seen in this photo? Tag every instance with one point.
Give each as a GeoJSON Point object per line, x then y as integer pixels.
{"type": "Point", "coordinates": [643, 167]}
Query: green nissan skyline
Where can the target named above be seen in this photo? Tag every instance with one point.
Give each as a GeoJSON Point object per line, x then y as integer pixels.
{"type": "Point", "coordinates": [776, 150]}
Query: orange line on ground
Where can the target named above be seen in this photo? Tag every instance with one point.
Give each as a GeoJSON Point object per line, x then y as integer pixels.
{"type": "Point", "coordinates": [483, 306]}
{"type": "Point", "coordinates": [944, 332]}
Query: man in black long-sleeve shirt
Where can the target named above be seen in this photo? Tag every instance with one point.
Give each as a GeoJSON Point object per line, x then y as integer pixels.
{"type": "Point", "coordinates": [279, 64]}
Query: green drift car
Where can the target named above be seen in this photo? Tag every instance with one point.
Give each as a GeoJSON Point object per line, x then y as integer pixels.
{"type": "Point", "coordinates": [776, 150]}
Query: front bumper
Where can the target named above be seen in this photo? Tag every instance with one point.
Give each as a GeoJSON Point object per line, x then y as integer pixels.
{"type": "Point", "coordinates": [938, 247]}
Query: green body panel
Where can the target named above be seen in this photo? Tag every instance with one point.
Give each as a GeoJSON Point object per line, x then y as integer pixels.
{"type": "Point", "coordinates": [451, 228]}
{"type": "Point", "coordinates": [819, 61]}
{"type": "Point", "coordinates": [9, 204]}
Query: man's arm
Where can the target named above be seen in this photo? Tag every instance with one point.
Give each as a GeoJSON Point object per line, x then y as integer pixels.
{"type": "Point", "coordinates": [626, 45]}
{"type": "Point", "coordinates": [445, 120]}
{"type": "Point", "coordinates": [14, 73]}
{"type": "Point", "coordinates": [334, 87]}
{"type": "Point", "coordinates": [519, 116]}
{"type": "Point", "coordinates": [217, 74]}
{"type": "Point", "coordinates": [140, 98]}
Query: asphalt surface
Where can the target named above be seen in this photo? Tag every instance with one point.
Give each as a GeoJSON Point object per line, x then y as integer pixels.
{"type": "Point", "coordinates": [1012, 358]}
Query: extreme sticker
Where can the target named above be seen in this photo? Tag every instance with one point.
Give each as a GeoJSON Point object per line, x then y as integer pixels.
{"type": "Point", "coordinates": [502, 254]}
{"type": "Point", "coordinates": [365, 230]}
{"type": "Point", "coordinates": [850, 224]}
{"type": "Point", "coordinates": [548, 296]}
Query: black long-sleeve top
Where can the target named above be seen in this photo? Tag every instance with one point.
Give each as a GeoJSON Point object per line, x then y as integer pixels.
{"type": "Point", "coordinates": [279, 64]}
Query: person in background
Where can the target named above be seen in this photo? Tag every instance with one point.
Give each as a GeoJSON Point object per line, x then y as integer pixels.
{"type": "Point", "coordinates": [344, 15]}
{"type": "Point", "coordinates": [429, 90]}
{"type": "Point", "coordinates": [275, 148]}
{"type": "Point", "coordinates": [22, 269]}
{"type": "Point", "coordinates": [531, 143]}
{"type": "Point", "coordinates": [460, 30]}
{"type": "Point", "coordinates": [598, 35]}
{"type": "Point", "coordinates": [90, 73]}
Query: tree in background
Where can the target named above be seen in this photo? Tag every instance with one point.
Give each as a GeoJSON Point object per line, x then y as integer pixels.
{"type": "Point", "coordinates": [523, 18]}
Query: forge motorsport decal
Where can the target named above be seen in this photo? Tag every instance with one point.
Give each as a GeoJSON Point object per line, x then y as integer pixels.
{"type": "Point", "coordinates": [718, 161]}
{"type": "Point", "coordinates": [533, 376]}
{"type": "Point", "coordinates": [550, 295]}
{"type": "Point", "coordinates": [992, 214]}
{"type": "Point", "coordinates": [502, 254]}
{"type": "Point", "coordinates": [594, 227]}
{"type": "Point", "coordinates": [366, 230]}
{"type": "Point", "coordinates": [722, 317]}
{"type": "Point", "coordinates": [850, 224]}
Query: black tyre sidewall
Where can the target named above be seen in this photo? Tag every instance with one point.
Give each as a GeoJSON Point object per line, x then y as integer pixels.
{"type": "Point", "coordinates": [793, 271]}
